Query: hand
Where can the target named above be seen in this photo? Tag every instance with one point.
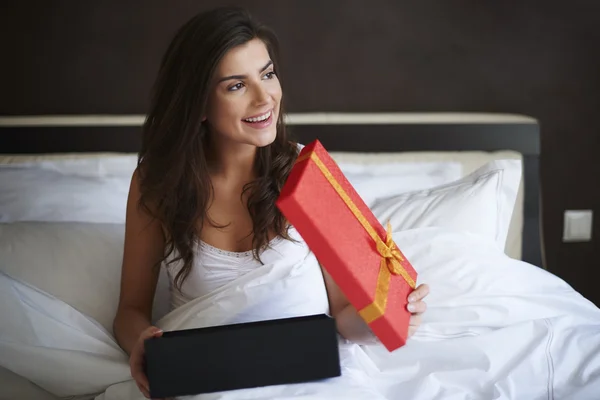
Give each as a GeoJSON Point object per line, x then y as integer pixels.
{"type": "Point", "coordinates": [137, 360]}
{"type": "Point", "coordinates": [416, 306]}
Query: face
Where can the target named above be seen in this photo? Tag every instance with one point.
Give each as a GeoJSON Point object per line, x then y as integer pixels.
{"type": "Point", "coordinates": [243, 105]}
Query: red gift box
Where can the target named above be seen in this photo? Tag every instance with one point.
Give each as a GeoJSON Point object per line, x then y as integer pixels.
{"type": "Point", "coordinates": [350, 243]}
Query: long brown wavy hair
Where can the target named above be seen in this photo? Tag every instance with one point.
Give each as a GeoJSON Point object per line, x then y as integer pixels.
{"type": "Point", "coordinates": [172, 166]}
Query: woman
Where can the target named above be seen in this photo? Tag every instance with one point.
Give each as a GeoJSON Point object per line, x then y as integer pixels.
{"type": "Point", "coordinates": [214, 156]}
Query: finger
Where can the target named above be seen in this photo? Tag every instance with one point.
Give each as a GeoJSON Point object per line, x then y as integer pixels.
{"type": "Point", "coordinates": [419, 293]}
{"type": "Point", "coordinates": [141, 381]}
{"type": "Point", "coordinates": [418, 307]}
{"type": "Point", "coordinates": [415, 321]}
{"type": "Point", "coordinates": [144, 391]}
{"type": "Point", "coordinates": [137, 362]}
{"type": "Point", "coordinates": [151, 332]}
{"type": "Point", "coordinates": [143, 386]}
{"type": "Point", "coordinates": [412, 329]}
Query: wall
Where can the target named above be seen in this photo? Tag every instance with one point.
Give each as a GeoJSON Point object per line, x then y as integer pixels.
{"type": "Point", "coordinates": [535, 58]}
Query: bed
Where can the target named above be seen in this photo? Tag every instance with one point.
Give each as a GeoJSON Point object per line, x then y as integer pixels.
{"type": "Point", "coordinates": [461, 190]}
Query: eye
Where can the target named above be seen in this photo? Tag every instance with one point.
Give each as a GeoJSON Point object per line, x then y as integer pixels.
{"type": "Point", "coordinates": [235, 87]}
{"type": "Point", "coordinates": [270, 75]}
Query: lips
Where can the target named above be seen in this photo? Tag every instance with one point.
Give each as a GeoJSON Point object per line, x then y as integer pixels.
{"type": "Point", "coordinates": [259, 118]}
{"type": "Point", "coordinates": [260, 121]}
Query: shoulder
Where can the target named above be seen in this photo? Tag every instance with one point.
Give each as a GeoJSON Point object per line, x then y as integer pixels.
{"type": "Point", "coordinates": [141, 204]}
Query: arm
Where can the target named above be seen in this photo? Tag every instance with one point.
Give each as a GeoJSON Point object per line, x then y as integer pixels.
{"type": "Point", "coordinates": [144, 244]}
{"type": "Point", "coordinates": [352, 327]}
{"type": "Point", "coordinates": [349, 324]}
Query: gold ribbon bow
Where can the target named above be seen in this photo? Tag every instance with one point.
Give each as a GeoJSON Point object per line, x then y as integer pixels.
{"type": "Point", "coordinates": [391, 258]}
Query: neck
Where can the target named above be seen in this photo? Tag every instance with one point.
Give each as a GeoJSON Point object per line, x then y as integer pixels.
{"type": "Point", "coordinates": [232, 161]}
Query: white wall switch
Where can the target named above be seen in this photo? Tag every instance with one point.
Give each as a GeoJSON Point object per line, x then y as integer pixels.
{"type": "Point", "coordinates": [577, 226]}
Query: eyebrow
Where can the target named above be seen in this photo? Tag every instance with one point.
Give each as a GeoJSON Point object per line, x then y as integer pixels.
{"type": "Point", "coordinates": [244, 76]}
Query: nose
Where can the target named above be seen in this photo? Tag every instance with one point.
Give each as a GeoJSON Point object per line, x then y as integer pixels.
{"type": "Point", "coordinates": [261, 95]}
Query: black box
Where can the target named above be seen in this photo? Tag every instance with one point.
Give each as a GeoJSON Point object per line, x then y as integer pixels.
{"type": "Point", "coordinates": [281, 351]}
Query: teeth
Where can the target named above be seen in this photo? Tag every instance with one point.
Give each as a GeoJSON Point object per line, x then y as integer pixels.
{"type": "Point", "coordinates": [260, 118]}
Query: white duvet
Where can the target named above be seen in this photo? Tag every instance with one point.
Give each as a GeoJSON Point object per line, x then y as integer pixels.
{"type": "Point", "coordinates": [496, 328]}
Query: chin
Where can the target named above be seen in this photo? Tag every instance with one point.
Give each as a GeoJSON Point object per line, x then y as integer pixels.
{"type": "Point", "coordinates": [264, 143]}
{"type": "Point", "coordinates": [268, 138]}
{"type": "Point", "coordinates": [262, 138]}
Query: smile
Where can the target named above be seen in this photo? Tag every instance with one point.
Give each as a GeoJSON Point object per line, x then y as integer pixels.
{"type": "Point", "coordinates": [260, 117]}
{"type": "Point", "coordinates": [260, 121]}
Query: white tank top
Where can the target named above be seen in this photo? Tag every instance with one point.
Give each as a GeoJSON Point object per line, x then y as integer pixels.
{"type": "Point", "coordinates": [213, 267]}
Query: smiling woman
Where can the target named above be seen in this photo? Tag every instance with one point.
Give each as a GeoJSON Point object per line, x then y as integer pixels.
{"type": "Point", "coordinates": [214, 157]}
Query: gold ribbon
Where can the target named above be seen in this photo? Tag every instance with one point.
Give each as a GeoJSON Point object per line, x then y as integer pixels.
{"type": "Point", "coordinates": [391, 258]}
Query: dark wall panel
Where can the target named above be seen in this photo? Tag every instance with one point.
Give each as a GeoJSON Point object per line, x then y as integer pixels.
{"type": "Point", "coordinates": [538, 58]}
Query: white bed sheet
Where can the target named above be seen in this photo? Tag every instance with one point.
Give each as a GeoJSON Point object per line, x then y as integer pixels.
{"type": "Point", "coordinates": [15, 387]}
{"type": "Point", "coordinates": [496, 328]}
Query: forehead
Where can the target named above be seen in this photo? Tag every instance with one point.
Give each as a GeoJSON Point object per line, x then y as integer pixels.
{"type": "Point", "coordinates": [244, 59]}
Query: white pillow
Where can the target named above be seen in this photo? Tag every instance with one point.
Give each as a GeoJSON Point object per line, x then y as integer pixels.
{"type": "Point", "coordinates": [59, 192]}
{"type": "Point", "coordinates": [481, 203]}
{"type": "Point", "coordinates": [78, 263]}
{"type": "Point", "coordinates": [376, 181]}
{"type": "Point", "coordinates": [95, 189]}
{"type": "Point", "coordinates": [94, 166]}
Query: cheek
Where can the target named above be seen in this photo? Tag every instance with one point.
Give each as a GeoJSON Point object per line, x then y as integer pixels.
{"type": "Point", "coordinates": [224, 110]}
{"type": "Point", "coordinates": [275, 91]}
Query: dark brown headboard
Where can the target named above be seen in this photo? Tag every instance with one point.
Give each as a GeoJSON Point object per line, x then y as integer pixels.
{"type": "Point", "coordinates": [395, 132]}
